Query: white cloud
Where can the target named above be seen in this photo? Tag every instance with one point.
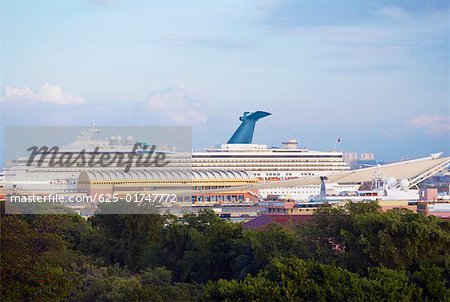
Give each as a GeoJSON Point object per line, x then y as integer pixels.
{"type": "Point", "coordinates": [394, 12]}
{"type": "Point", "coordinates": [47, 93]}
{"type": "Point", "coordinates": [435, 125]}
{"type": "Point", "coordinates": [175, 104]}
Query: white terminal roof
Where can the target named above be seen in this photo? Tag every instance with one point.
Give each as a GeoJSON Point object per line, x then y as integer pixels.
{"type": "Point", "coordinates": [409, 169]}
{"type": "Point", "coordinates": [162, 174]}
{"type": "Point", "coordinates": [415, 170]}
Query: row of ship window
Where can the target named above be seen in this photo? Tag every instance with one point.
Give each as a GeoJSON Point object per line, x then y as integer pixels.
{"type": "Point", "coordinates": [101, 182]}
{"type": "Point", "coordinates": [232, 164]}
{"type": "Point", "coordinates": [279, 167]}
{"type": "Point", "coordinates": [266, 160]}
{"type": "Point", "coordinates": [213, 198]}
{"type": "Point", "coordinates": [235, 156]}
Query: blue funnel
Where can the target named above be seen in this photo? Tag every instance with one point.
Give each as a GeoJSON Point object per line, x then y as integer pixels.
{"type": "Point", "coordinates": [244, 134]}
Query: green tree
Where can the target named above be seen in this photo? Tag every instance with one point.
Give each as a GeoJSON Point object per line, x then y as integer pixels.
{"type": "Point", "coordinates": [433, 280]}
{"type": "Point", "coordinates": [127, 239]}
{"type": "Point", "coordinates": [200, 247]}
{"type": "Point", "coordinates": [35, 265]}
{"type": "Point", "coordinates": [359, 237]}
{"type": "Point", "coordinates": [117, 284]}
{"type": "Point", "coordinates": [260, 247]}
{"type": "Point", "coordinates": [293, 279]}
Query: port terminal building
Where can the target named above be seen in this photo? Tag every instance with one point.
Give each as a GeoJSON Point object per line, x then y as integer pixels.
{"type": "Point", "coordinates": [189, 186]}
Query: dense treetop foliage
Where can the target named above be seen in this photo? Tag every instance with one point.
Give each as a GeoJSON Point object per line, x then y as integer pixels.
{"type": "Point", "coordinates": [353, 253]}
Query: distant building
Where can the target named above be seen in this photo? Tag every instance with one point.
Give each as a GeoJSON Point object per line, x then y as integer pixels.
{"type": "Point", "coordinates": [430, 204]}
{"type": "Point", "coordinates": [289, 207]}
{"type": "Point", "coordinates": [441, 182]}
{"type": "Point", "coordinates": [350, 157]}
{"type": "Point", "coordinates": [428, 194]}
{"type": "Point", "coordinates": [367, 156]}
{"type": "Point", "coordinates": [153, 182]}
{"type": "Point", "coordinates": [308, 208]}
{"type": "Point", "coordinates": [360, 163]}
{"type": "Point", "coordinates": [364, 159]}
{"type": "Point", "coordinates": [437, 209]}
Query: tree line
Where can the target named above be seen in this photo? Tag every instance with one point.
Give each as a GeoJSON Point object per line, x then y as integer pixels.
{"type": "Point", "coordinates": [350, 253]}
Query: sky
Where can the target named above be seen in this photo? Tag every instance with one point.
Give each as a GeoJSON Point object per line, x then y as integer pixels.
{"type": "Point", "coordinates": [373, 73]}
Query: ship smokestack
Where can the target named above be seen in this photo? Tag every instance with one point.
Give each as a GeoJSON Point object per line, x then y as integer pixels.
{"type": "Point", "coordinates": [244, 134]}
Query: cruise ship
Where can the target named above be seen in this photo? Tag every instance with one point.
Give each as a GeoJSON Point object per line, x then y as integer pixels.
{"type": "Point", "coordinates": [239, 153]}
{"type": "Point", "coordinates": [273, 164]}
{"type": "Point", "coordinates": [41, 176]}
{"type": "Point", "coordinates": [286, 165]}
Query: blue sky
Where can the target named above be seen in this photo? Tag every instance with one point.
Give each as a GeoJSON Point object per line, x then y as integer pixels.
{"type": "Point", "coordinates": [374, 73]}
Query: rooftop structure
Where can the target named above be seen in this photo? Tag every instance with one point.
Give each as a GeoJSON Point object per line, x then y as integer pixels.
{"type": "Point", "coordinates": [163, 175]}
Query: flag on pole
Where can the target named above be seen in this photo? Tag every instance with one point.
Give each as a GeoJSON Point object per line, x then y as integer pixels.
{"type": "Point", "coordinates": [338, 140]}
